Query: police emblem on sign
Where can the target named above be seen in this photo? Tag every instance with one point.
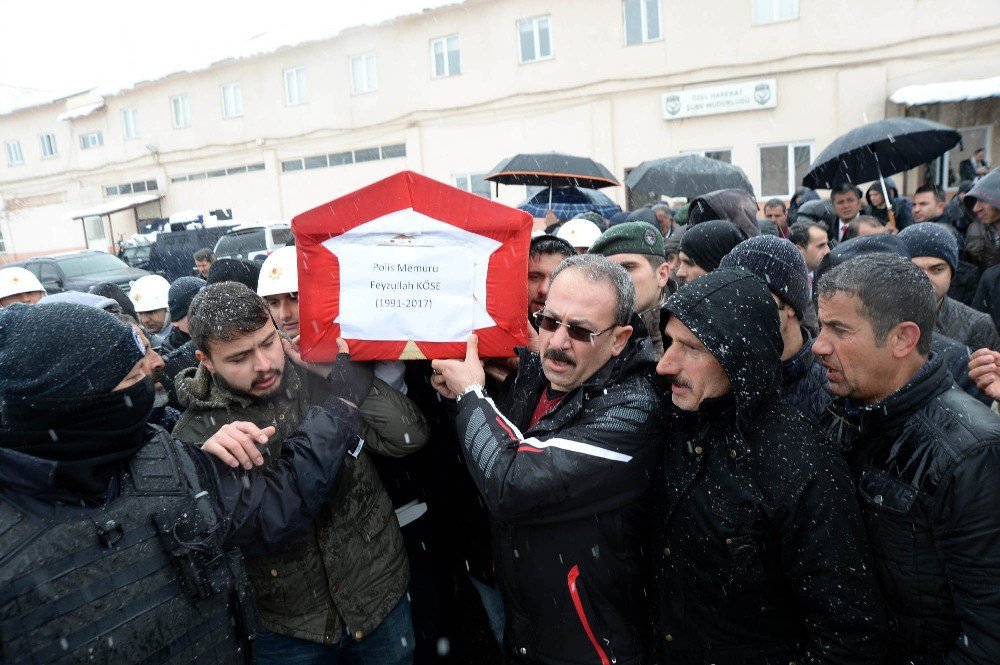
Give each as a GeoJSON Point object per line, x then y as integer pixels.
{"type": "Point", "coordinates": [672, 104]}
{"type": "Point", "coordinates": [762, 93]}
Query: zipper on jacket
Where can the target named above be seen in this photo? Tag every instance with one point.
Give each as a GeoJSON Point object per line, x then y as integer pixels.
{"type": "Point", "coordinates": [574, 574]}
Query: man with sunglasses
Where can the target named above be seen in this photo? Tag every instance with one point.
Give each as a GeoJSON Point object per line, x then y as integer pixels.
{"type": "Point", "coordinates": [564, 464]}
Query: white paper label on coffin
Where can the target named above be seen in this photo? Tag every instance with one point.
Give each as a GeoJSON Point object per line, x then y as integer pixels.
{"type": "Point", "coordinates": [406, 276]}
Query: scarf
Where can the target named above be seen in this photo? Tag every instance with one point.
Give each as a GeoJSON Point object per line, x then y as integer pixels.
{"type": "Point", "coordinates": [88, 438]}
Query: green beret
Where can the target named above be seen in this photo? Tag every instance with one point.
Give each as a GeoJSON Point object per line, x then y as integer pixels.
{"type": "Point", "coordinates": [629, 238]}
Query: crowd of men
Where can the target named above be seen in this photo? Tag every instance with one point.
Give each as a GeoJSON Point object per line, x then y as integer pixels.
{"type": "Point", "coordinates": [737, 435]}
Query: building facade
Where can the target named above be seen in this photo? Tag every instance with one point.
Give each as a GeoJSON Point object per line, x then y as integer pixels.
{"type": "Point", "coordinates": [765, 84]}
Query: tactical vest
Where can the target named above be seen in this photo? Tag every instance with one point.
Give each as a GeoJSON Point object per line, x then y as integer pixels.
{"type": "Point", "coordinates": [143, 579]}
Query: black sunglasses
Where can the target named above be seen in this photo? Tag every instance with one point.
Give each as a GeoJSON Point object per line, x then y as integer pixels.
{"type": "Point", "coordinates": [578, 333]}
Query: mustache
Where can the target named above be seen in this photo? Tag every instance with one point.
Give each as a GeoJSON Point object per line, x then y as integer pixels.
{"type": "Point", "coordinates": [678, 382]}
{"type": "Point", "coordinates": [265, 376]}
{"type": "Point", "coordinates": [559, 356]}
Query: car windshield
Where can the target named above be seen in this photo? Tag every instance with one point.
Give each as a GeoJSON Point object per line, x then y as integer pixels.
{"type": "Point", "coordinates": [241, 243]}
{"type": "Point", "coordinates": [281, 236]}
{"type": "Point", "coordinates": [90, 264]}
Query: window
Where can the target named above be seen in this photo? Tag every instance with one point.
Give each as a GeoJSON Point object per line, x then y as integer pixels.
{"type": "Point", "coordinates": [445, 59]}
{"type": "Point", "coordinates": [232, 101]}
{"type": "Point", "coordinates": [130, 123]}
{"type": "Point", "coordinates": [782, 167]}
{"type": "Point", "coordinates": [773, 11]}
{"type": "Point", "coordinates": [366, 155]}
{"type": "Point", "coordinates": [317, 162]}
{"type": "Point", "coordinates": [722, 154]}
{"type": "Point", "coordinates": [363, 75]}
{"type": "Point", "coordinates": [3, 243]}
{"type": "Point", "coordinates": [642, 21]}
{"type": "Point", "coordinates": [474, 183]}
{"type": "Point", "coordinates": [296, 91]}
{"type": "Point", "coordinates": [14, 154]}
{"type": "Point", "coordinates": [948, 167]}
{"type": "Point", "coordinates": [181, 111]}
{"type": "Point", "coordinates": [91, 140]}
{"type": "Point", "coordinates": [535, 39]}
{"type": "Point", "coordinates": [48, 141]}
{"type": "Point", "coordinates": [394, 150]}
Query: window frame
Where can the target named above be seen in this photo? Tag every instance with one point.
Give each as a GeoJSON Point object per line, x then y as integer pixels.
{"type": "Point", "coordinates": [92, 140]}
{"type": "Point", "coordinates": [52, 145]}
{"type": "Point", "coordinates": [775, 5]}
{"type": "Point", "coordinates": [458, 49]}
{"type": "Point", "coordinates": [16, 145]}
{"type": "Point", "coordinates": [130, 119]}
{"type": "Point", "coordinates": [790, 163]}
{"type": "Point", "coordinates": [236, 94]}
{"type": "Point", "coordinates": [185, 108]}
{"type": "Point", "coordinates": [298, 74]}
{"type": "Point", "coordinates": [644, 23]}
{"type": "Point", "coordinates": [537, 44]}
{"type": "Point", "coordinates": [3, 242]}
{"type": "Point", "coordinates": [702, 153]}
{"type": "Point", "coordinates": [370, 85]}
{"type": "Point", "coordinates": [468, 177]}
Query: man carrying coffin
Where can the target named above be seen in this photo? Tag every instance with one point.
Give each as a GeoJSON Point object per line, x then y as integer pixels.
{"type": "Point", "coordinates": [564, 464]}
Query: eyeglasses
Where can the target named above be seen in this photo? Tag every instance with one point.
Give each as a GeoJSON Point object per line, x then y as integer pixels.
{"type": "Point", "coordinates": [578, 333]}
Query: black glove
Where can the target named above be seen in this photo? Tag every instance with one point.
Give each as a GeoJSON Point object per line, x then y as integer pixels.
{"type": "Point", "coordinates": [349, 380]}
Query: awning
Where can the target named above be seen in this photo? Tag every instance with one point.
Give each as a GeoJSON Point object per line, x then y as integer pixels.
{"type": "Point", "coordinates": [80, 111]}
{"type": "Point", "coordinates": [950, 91]}
{"type": "Point", "coordinates": [116, 205]}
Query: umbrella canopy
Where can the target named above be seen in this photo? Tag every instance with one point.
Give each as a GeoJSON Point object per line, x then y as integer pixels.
{"type": "Point", "coordinates": [884, 147]}
{"type": "Point", "coordinates": [568, 202]}
{"type": "Point", "coordinates": [551, 169]}
{"type": "Point", "coordinates": [686, 175]}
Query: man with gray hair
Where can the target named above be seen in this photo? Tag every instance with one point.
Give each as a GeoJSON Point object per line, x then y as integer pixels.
{"type": "Point", "coordinates": [924, 457]}
{"type": "Point", "coordinates": [564, 463]}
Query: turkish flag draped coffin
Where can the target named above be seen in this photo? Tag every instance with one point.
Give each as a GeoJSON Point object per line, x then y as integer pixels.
{"type": "Point", "coordinates": [407, 268]}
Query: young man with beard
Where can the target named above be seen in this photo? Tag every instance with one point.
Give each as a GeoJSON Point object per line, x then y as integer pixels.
{"type": "Point", "coordinates": [924, 457]}
{"type": "Point", "coordinates": [544, 254]}
{"type": "Point", "coordinates": [759, 550]}
{"type": "Point", "coordinates": [564, 463]}
{"type": "Point", "coordinates": [340, 589]}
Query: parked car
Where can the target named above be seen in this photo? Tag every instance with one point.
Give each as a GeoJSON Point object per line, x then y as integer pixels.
{"type": "Point", "coordinates": [78, 271]}
{"type": "Point", "coordinates": [253, 242]}
{"type": "Point", "coordinates": [136, 250]}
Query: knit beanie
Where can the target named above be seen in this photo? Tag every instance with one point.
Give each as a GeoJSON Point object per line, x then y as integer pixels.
{"type": "Point", "coordinates": [643, 215]}
{"type": "Point", "coordinates": [778, 263]}
{"type": "Point", "coordinates": [234, 270]}
{"type": "Point", "coordinates": [629, 238]}
{"type": "Point", "coordinates": [706, 243]}
{"type": "Point", "coordinates": [931, 240]}
{"type": "Point", "coordinates": [594, 217]}
{"type": "Point", "coordinates": [182, 292]}
{"type": "Point", "coordinates": [64, 350]}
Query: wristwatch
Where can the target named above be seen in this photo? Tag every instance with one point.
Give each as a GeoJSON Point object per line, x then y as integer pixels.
{"type": "Point", "coordinates": [474, 388]}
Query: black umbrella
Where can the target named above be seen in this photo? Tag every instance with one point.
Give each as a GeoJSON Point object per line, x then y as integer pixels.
{"type": "Point", "coordinates": [686, 175]}
{"type": "Point", "coordinates": [552, 169]}
{"type": "Point", "coordinates": [886, 146]}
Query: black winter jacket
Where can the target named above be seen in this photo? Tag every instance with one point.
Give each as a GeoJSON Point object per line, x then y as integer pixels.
{"type": "Point", "coordinates": [987, 298]}
{"type": "Point", "coordinates": [966, 325]}
{"type": "Point", "coordinates": [926, 461]}
{"type": "Point", "coordinates": [568, 501]}
{"type": "Point", "coordinates": [803, 382]}
{"type": "Point", "coordinates": [760, 552]}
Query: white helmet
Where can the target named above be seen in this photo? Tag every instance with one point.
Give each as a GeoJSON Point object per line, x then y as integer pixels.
{"type": "Point", "coordinates": [15, 280]}
{"type": "Point", "coordinates": [579, 233]}
{"type": "Point", "coordinates": [279, 273]}
{"type": "Point", "coordinates": [150, 293]}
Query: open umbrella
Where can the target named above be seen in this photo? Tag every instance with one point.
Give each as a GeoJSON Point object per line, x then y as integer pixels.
{"type": "Point", "coordinates": [568, 202]}
{"type": "Point", "coordinates": [686, 175]}
{"type": "Point", "coordinates": [883, 147]}
{"type": "Point", "coordinates": [551, 169]}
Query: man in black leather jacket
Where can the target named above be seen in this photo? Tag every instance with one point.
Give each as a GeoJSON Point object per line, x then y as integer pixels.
{"type": "Point", "coordinates": [924, 456]}
{"type": "Point", "coordinates": [759, 548]}
{"type": "Point", "coordinates": [564, 463]}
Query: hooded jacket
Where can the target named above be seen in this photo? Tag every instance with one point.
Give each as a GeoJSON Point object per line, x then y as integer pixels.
{"type": "Point", "coordinates": [982, 241]}
{"type": "Point", "coordinates": [759, 550]}
{"type": "Point", "coordinates": [736, 205]}
{"type": "Point", "coordinates": [902, 207]}
{"type": "Point", "coordinates": [350, 566]}
{"type": "Point", "coordinates": [568, 501]}
{"type": "Point", "coordinates": [925, 461]}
